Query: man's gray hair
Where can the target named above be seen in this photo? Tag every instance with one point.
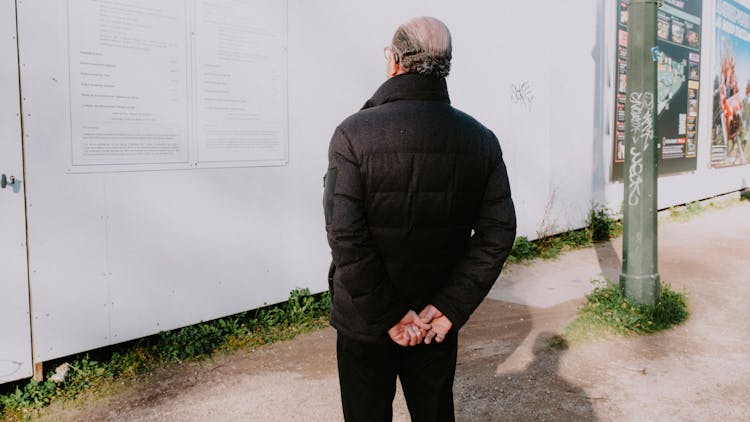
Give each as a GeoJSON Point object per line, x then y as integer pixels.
{"type": "Point", "coordinates": [423, 46]}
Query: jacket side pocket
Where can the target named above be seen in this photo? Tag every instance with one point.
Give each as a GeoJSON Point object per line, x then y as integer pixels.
{"type": "Point", "coordinates": [329, 186]}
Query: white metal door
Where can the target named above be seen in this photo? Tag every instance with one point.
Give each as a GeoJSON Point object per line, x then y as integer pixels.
{"type": "Point", "coordinates": [15, 332]}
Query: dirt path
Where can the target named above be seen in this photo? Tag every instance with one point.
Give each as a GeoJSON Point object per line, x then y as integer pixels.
{"type": "Point", "coordinates": [698, 371]}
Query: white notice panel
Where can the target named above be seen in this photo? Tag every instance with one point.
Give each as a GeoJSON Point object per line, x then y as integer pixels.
{"type": "Point", "coordinates": [176, 84]}
{"type": "Point", "coordinates": [128, 82]}
{"type": "Point", "coordinates": [240, 81]}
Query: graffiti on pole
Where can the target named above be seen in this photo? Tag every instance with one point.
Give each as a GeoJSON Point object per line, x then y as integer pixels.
{"type": "Point", "coordinates": [642, 130]}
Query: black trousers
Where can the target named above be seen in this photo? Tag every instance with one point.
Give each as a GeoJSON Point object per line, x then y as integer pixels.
{"type": "Point", "coordinates": [367, 376]}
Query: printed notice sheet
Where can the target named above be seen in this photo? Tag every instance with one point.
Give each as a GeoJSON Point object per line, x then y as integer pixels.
{"type": "Point", "coordinates": [240, 65]}
{"type": "Point", "coordinates": [128, 82]}
{"type": "Point", "coordinates": [176, 84]}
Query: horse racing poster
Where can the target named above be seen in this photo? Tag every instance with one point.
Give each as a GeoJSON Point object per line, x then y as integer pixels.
{"type": "Point", "coordinates": [730, 128]}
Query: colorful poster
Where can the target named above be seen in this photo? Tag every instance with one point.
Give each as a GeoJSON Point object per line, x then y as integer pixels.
{"type": "Point", "coordinates": [730, 129]}
{"type": "Point", "coordinates": [678, 59]}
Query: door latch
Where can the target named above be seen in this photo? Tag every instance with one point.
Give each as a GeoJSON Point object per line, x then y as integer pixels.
{"type": "Point", "coordinates": [6, 180]}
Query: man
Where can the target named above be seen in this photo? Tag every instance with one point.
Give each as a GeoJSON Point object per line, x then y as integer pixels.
{"type": "Point", "coordinates": [419, 219]}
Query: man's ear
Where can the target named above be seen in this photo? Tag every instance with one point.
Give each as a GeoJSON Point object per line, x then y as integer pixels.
{"type": "Point", "coordinates": [393, 68]}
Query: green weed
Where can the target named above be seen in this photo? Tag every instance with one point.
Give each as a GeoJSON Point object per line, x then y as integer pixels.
{"type": "Point", "coordinates": [557, 342]}
{"type": "Point", "coordinates": [523, 250]}
{"type": "Point", "coordinates": [600, 225]}
{"type": "Point", "coordinates": [693, 208]}
{"type": "Point", "coordinates": [577, 238]}
{"type": "Point", "coordinates": [608, 311]}
{"type": "Point", "coordinates": [550, 247]}
{"type": "Point", "coordinates": [686, 212]}
{"type": "Point", "coordinates": [32, 395]}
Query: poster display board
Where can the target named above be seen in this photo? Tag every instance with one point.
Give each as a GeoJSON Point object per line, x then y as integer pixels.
{"type": "Point", "coordinates": [678, 57]}
{"type": "Point", "coordinates": [176, 84]}
{"type": "Point", "coordinates": [730, 131]}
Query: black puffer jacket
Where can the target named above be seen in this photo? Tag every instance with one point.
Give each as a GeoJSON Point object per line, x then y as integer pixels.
{"type": "Point", "coordinates": [409, 179]}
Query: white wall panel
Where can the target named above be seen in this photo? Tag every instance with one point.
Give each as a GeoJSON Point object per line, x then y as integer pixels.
{"type": "Point", "coordinates": [116, 256]}
{"type": "Point", "coordinates": [499, 48]}
{"type": "Point", "coordinates": [15, 336]}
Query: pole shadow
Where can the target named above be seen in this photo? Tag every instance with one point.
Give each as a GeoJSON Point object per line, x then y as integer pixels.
{"type": "Point", "coordinates": [609, 261]}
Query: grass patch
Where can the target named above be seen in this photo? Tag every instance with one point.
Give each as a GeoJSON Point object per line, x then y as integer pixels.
{"type": "Point", "coordinates": [686, 212]}
{"type": "Point", "coordinates": [601, 225]}
{"type": "Point", "coordinates": [523, 250]}
{"type": "Point", "coordinates": [607, 311]}
{"type": "Point", "coordinates": [557, 342]}
{"type": "Point", "coordinates": [98, 369]}
{"type": "Point", "coordinates": [550, 247]}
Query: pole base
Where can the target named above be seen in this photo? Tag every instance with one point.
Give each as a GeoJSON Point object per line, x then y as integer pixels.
{"type": "Point", "coordinates": [643, 289]}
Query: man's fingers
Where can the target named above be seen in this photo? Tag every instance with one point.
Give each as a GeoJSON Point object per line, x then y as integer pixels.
{"type": "Point", "coordinates": [430, 313]}
{"type": "Point", "coordinates": [424, 314]}
{"type": "Point", "coordinates": [430, 335]}
{"type": "Point", "coordinates": [414, 335]}
{"type": "Point", "coordinates": [413, 329]}
{"type": "Point", "coordinates": [407, 337]}
{"type": "Point", "coordinates": [422, 324]}
{"type": "Point", "coordinates": [398, 337]}
{"type": "Point", "coordinates": [409, 317]}
{"type": "Point", "coordinates": [427, 312]}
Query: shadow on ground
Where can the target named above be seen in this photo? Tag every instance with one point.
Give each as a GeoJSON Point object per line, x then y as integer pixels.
{"type": "Point", "coordinates": [609, 260]}
{"type": "Point", "coordinates": [508, 371]}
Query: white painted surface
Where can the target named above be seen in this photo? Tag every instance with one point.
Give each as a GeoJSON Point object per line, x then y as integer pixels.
{"type": "Point", "coordinates": [15, 337]}
{"type": "Point", "coordinates": [116, 256]}
{"type": "Point", "coordinates": [500, 50]}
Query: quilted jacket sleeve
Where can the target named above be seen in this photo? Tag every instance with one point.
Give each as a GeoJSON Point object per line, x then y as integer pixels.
{"type": "Point", "coordinates": [360, 271]}
{"type": "Point", "coordinates": [476, 272]}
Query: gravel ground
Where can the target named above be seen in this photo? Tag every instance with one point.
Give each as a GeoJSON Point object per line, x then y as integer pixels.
{"type": "Point", "coordinates": [696, 372]}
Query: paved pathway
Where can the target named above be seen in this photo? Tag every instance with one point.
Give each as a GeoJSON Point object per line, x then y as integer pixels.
{"type": "Point", "coordinates": [698, 371]}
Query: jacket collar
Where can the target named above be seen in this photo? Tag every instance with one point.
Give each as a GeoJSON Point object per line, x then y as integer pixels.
{"type": "Point", "coordinates": [410, 86]}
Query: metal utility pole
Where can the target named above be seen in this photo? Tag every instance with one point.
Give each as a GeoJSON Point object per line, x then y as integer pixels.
{"type": "Point", "coordinates": [640, 279]}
